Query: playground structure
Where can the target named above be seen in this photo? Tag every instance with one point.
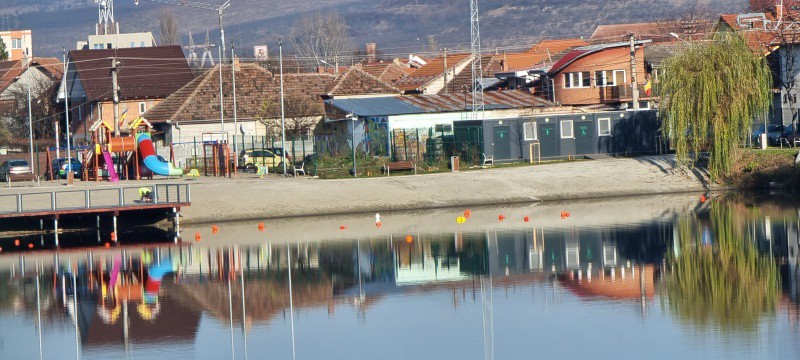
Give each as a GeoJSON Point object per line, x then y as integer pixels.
{"type": "Point", "coordinates": [217, 155]}
{"type": "Point", "coordinates": [98, 161]}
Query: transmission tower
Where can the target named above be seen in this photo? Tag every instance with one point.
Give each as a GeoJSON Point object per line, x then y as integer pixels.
{"type": "Point", "coordinates": [191, 59]}
{"type": "Point", "coordinates": [105, 19]}
{"type": "Point", "coordinates": [477, 68]}
{"type": "Point", "coordinates": [207, 53]}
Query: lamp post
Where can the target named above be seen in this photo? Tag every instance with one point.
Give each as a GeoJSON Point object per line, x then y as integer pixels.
{"type": "Point", "coordinates": [283, 115]}
{"type": "Point", "coordinates": [353, 119]}
{"type": "Point", "coordinates": [66, 121]}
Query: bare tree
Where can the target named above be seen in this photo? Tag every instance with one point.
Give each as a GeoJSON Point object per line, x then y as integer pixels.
{"type": "Point", "coordinates": [302, 115]}
{"type": "Point", "coordinates": [321, 38]}
{"type": "Point", "coordinates": [168, 25]}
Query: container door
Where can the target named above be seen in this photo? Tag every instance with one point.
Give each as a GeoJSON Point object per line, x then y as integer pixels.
{"type": "Point", "coordinates": [585, 137]}
{"type": "Point", "coordinates": [502, 142]}
{"type": "Point", "coordinates": [548, 139]}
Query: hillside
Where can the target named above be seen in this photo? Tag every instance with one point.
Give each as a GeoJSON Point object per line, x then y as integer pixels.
{"type": "Point", "coordinates": [397, 26]}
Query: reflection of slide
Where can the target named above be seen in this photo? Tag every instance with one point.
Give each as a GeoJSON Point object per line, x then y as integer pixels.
{"type": "Point", "coordinates": [155, 274]}
{"type": "Point", "coordinates": [151, 161]}
{"type": "Point", "coordinates": [112, 173]}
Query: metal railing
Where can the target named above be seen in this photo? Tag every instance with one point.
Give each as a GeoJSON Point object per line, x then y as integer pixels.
{"type": "Point", "coordinates": [160, 194]}
{"type": "Point", "coordinates": [625, 92]}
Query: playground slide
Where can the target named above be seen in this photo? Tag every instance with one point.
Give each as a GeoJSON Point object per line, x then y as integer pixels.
{"type": "Point", "coordinates": [112, 173]}
{"type": "Point", "coordinates": [151, 161]}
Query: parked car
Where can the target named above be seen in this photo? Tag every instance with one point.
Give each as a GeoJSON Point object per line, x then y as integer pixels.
{"type": "Point", "coordinates": [14, 167]}
{"type": "Point", "coordinates": [279, 151]}
{"type": "Point", "coordinates": [774, 133]}
{"type": "Point", "coordinates": [250, 159]}
{"type": "Point", "coordinates": [60, 168]}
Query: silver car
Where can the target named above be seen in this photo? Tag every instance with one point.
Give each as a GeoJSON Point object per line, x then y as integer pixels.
{"type": "Point", "coordinates": [14, 167]}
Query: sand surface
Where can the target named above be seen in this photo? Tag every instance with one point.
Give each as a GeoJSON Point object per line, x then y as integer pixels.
{"type": "Point", "coordinates": [248, 197]}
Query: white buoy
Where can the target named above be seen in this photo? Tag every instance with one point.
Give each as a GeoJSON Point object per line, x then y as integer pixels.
{"type": "Point", "coordinates": [377, 217]}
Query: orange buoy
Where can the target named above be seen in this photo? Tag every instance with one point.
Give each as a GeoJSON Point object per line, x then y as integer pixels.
{"type": "Point", "coordinates": [567, 213]}
{"type": "Point", "coordinates": [107, 245]}
{"type": "Point", "coordinates": [467, 214]}
{"type": "Point", "coordinates": [501, 218]}
{"type": "Point", "coordinates": [30, 245]}
{"type": "Point", "coordinates": [261, 226]}
{"type": "Point", "coordinates": [113, 236]}
{"type": "Point", "coordinates": [16, 242]}
{"type": "Point", "coordinates": [343, 227]}
{"type": "Point", "coordinates": [1, 249]}
{"type": "Point", "coordinates": [214, 229]}
{"type": "Point", "coordinates": [703, 198]}
{"type": "Point", "coordinates": [526, 219]}
{"type": "Point", "coordinates": [378, 224]}
{"type": "Point", "coordinates": [409, 238]}
{"type": "Point", "coordinates": [563, 215]}
{"type": "Point", "coordinates": [197, 236]}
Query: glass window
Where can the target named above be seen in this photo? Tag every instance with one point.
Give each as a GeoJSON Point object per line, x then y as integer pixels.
{"type": "Point", "coordinates": [529, 130]}
{"type": "Point", "coordinates": [566, 130]}
{"type": "Point", "coordinates": [142, 107]}
{"type": "Point", "coordinates": [141, 43]}
{"type": "Point", "coordinates": [586, 80]}
{"type": "Point", "coordinates": [609, 77]}
{"type": "Point", "coordinates": [133, 44]}
{"type": "Point", "coordinates": [577, 80]}
{"type": "Point", "coordinates": [604, 127]}
{"type": "Point", "coordinates": [16, 43]}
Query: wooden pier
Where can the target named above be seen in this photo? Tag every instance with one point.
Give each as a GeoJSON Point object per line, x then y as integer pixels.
{"type": "Point", "coordinates": [87, 208]}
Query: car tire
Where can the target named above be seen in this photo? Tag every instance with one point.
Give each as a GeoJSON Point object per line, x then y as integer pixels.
{"type": "Point", "coordinates": [250, 167]}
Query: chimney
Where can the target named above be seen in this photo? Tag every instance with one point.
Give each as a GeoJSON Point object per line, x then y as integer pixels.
{"type": "Point", "coordinates": [372, 50]}
{"type": "Point", "coordinates": [505, 61]}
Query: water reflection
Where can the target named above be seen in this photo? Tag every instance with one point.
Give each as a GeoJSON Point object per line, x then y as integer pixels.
{"type": "Point", "coordinates": [716, 269]}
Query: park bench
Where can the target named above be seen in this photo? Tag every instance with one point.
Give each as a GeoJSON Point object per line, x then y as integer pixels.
{"type": "Point", "coordinates": [399, 165]}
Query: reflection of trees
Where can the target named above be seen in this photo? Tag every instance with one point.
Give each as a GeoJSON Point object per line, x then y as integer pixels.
{"type": "Point", "coordinates": [725, 282]}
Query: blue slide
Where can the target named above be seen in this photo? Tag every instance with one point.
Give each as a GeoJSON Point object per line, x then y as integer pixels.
{"type": "Point", "coordinates": [151, 161]}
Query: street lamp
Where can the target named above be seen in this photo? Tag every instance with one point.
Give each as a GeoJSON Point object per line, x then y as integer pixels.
{"type": "Point", "coordinates": [353, 120]}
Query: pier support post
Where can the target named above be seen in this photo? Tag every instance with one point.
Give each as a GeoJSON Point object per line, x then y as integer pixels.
{"type": "Point", "coordinates": [176, 216]}
{"type": "Point", "coordinates": [55, 229]}
{"type": "Point", "coordinates": [114, 217]}
{"type": "Point", "coordinates": [99, 240]}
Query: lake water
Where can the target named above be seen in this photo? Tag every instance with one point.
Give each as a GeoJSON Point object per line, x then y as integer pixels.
{"type": "Point", "coordinates": [660, 278]}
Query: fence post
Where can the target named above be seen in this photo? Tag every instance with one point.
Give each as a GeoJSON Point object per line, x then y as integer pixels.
{"type": "Point", "coordinates": [19, 202]}
{"type": "Point", "coordinates": [188, 192]}
{"type": "Point", "coordinates": [155, 194]}
{"type": "Point", "coordinates": [87, 198]}
{"type": "Point", "coordinates": [121, 197]}
{"type": "Point", "coordinates": [53, 203]}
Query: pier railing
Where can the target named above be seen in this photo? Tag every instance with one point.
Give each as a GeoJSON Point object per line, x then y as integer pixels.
{"type": "Point", "coordinates": [98, 198]}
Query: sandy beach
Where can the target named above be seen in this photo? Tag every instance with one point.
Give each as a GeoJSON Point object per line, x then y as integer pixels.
{"type": "Point", "coordinates": [249, 197]}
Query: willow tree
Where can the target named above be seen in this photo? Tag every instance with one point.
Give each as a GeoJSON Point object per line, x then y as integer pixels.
{"type": "Point", "coordinates": [712, 91]}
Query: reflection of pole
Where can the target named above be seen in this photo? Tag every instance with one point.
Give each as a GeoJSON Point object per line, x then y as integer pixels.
{"type": "Point", "coordinates": [291, 303]}
{"type": "Point", "coordinates": [488, 316]}
{"type": "Point", "coordinates": [75, 309]}
{"type": "Point", "coordinates": [642, 290]}
{"type": "Point", "coordinates": [244, 312]}
{"type": "Point", "coordinates": [39, 313]}
{"type": "Point", "coordinates": [125, 328]}
{"type": "Point", "coordinates": [230, 313]}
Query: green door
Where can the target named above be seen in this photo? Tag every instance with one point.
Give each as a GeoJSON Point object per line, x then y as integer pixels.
{"type": "Point", "coordinates": [502, 142]}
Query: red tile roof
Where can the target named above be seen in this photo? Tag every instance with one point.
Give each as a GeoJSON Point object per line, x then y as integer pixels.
{"type": "Point", "coordinates": [145, 73]}
{"type": "Point", "coordinates": [656, 31]}
{"type": "Point", "coordinates": [388, 72]}
{"type": "Point", "coordinates": [356, 81]}
{"type": "Point", "coordinates": [12, 69]}
{"type": "Point", "coordinates": [556, 45]}
{"type": "Point", "coordinates": [430, 71]}
{"type": "Point", "coordinates": [198, 101]}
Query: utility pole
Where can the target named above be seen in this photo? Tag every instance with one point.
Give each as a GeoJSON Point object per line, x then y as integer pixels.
{"type": "Point", "coordinates": [115, 91]}
{"type": "Point", "coordinates": [235, 117]}
{"type": "Point", "coordinates": [70, 175]}
{"type": "Point", "coordinates": [634, 83]}
{"type": "Point", "coordinates": [221, 97]}
{"type": "Point", "coordinates": [30, 112]}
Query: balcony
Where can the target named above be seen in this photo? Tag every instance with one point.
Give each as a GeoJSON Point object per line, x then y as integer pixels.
{"type": "Point", "coordinates": [624, 93]}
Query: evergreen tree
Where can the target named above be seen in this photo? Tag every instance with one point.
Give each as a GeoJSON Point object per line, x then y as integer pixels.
{"type": "Point", "coordinates": [3, 51]}
{"type": "Point", "coordinates": [711, 93]}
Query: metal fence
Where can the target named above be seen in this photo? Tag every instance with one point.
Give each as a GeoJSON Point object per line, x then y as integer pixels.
{"type": "Point", "coordinates": [93, 198]}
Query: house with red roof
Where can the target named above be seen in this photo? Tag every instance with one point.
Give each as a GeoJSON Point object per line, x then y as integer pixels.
{"type": "Point", "coordinates": [599, 75]}
{"type": "Point", "coordinates": [15, 75]}
{"type": "Point", "coordinates": [145, 77]}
